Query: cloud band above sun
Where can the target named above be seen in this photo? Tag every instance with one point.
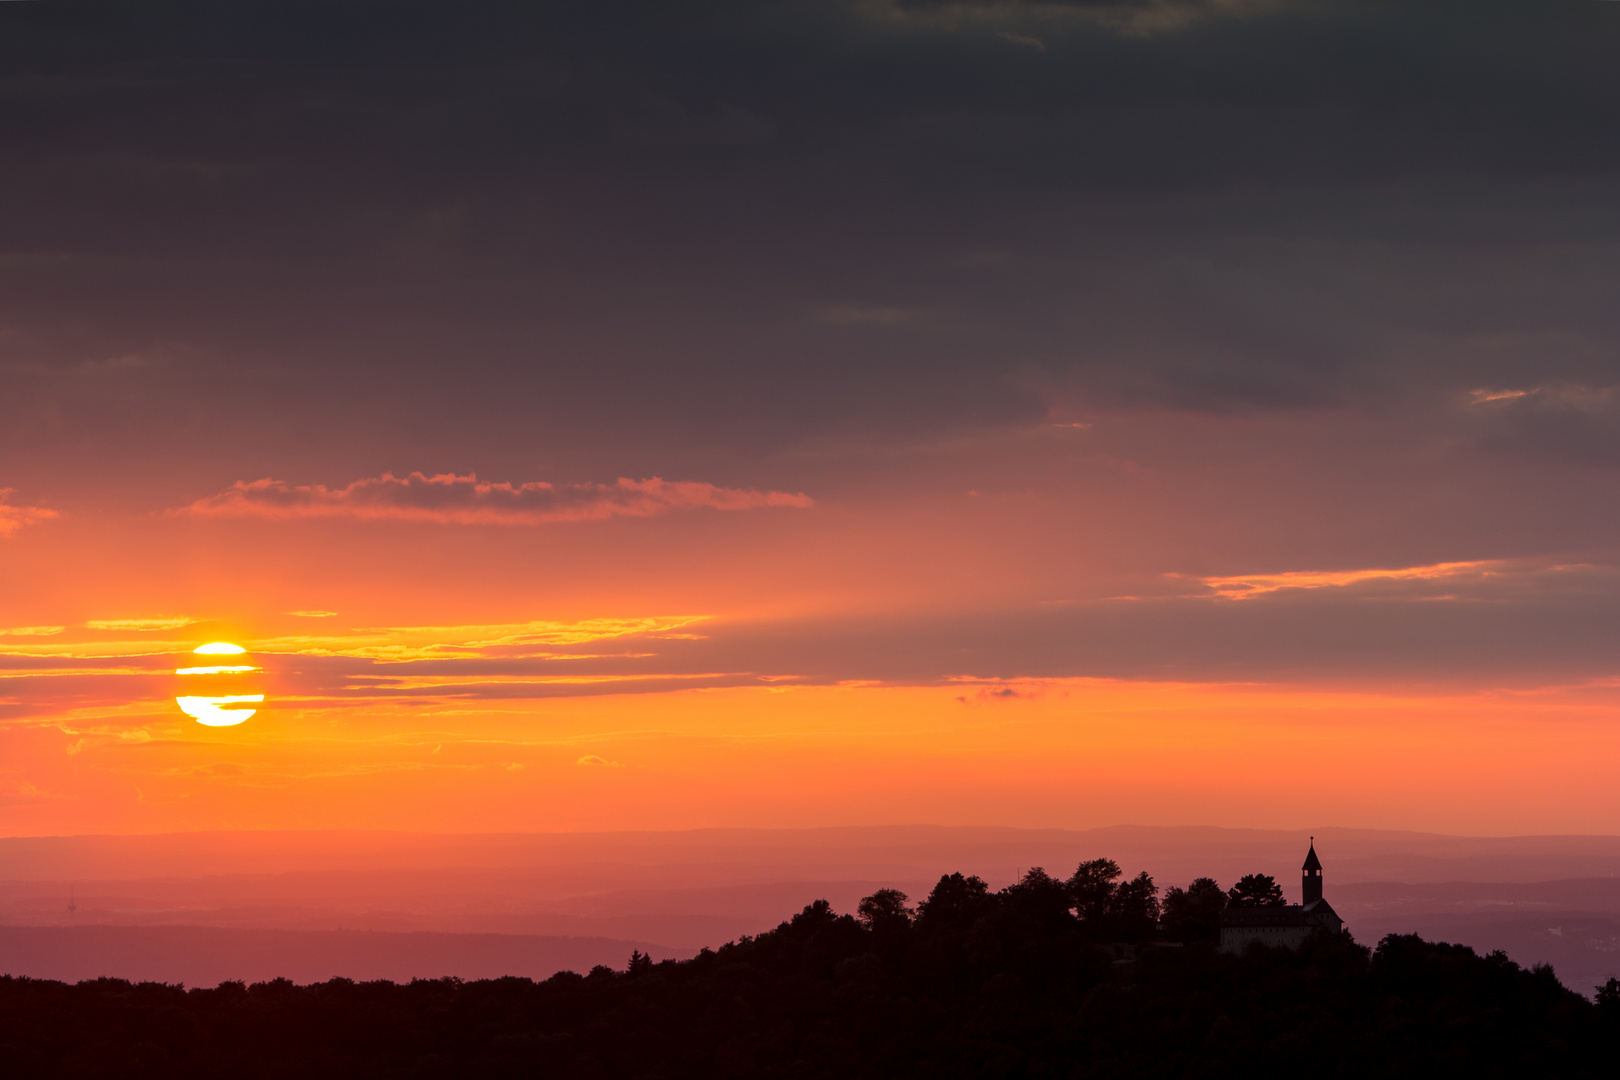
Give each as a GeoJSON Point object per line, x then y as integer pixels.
{"type": "Point", "coordinates": [466, 500]}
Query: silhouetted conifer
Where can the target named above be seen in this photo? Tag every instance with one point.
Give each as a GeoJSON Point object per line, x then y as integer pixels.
{"type": "Point", "coordinates": [1255, 890]}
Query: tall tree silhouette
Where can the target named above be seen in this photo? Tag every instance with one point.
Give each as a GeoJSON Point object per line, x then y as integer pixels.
{"type": "Point", "coordinates": [1194, 913]}
{"type": "Point", "coordinates": [957, 900]}
{"type": "Point", "coordinates": [885, 912]}
{"type": "Point", "coordinates": [1255, 890]}
{"type": "Point", "coordinates": [1135, 908]}
{"type": "Point", "coordinates": [1040, 898]}
{"type": "Point", "coordinates": [1092, 889]}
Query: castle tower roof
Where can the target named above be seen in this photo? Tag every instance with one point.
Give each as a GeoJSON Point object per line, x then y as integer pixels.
{"type": "Point", "coordinates": [1311, 861]}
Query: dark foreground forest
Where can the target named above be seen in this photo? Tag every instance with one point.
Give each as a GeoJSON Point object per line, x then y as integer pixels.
{"type": "Point", "coordinates": [1046, 978]}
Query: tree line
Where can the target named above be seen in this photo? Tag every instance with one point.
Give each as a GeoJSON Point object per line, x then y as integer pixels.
{"type": "Point", "coordinates": [1029, 981]}
{"type": "Point", "coordinates": [1104, 907]}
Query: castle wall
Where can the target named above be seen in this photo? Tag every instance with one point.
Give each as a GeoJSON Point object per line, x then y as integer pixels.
{"type": "Point", "coordinates": [1235, 939]}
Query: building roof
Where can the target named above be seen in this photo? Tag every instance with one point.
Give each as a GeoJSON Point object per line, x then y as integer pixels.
{"type": "Point", "coordinates": [1281, 915]}
{"type": "Point", "coordinates": [1315, 914]}
{"type": "Point", "coordinates": [1318, 909]}
{"type": "Point", "coordinates": [1311, 861]}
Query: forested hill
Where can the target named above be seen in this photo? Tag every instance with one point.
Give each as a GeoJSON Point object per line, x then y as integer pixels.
{"type": "Point", "coordinates": [1020, 983]}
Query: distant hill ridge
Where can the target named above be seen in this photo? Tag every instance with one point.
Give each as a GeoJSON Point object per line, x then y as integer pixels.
{"type": "Point", "coordinates": [1174, 851]}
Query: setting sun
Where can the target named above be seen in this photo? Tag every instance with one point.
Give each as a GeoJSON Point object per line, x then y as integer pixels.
{"type": "Point", "coordinates": [217, 709]}
{"type": "Point", "coordinates": [219, 648]}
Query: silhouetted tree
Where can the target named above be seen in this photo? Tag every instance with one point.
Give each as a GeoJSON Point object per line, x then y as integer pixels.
{"type": "Point", "coordinates": [1134, 908]}
{"type": "Point", "coordinates": [885, 912]}
{"type": "Point", "coordinates": [1194, 913]}
{"type": "Point", "coordinates": [815, 913]}
{"type": "Point", "coordinates": [955, 901]}
{"type": "Point", "coordinates": [640, 963]}
{"type": "Point", "coordinates": [1255, 890]}
{"type": "Point", "coordinates": [1092, 889]}
{"type": "Point", "coordinates": [1608, 999]}
{"type": "Point", "coordinates": [1040, 898]}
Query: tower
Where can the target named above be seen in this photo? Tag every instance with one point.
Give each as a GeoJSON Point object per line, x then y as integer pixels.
{"type": "Point", "coordinates": [1311, 879]}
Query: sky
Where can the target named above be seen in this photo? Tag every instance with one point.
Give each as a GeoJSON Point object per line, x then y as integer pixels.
{"type": "Point", "coordinates": [704, 412]}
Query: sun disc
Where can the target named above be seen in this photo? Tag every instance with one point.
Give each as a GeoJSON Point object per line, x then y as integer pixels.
{"type": "Point", "coordinates": [210, 710]}
{"type": "Point", "coordinates": [218, 648]}
{"type": "Point", "coordinates": [222, 702]}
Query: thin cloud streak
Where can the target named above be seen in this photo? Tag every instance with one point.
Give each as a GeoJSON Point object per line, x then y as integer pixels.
{"type": "Point", "coordinates": [13, 518]}
{"type": "Point", "coordinates": [1474, 580]}
{"type": "Point", "coordinates": [402, 644]}
{"type": "Point", "coordinates": [1247, 586]}
{"type": "Point", "coordinates": [450, 499]}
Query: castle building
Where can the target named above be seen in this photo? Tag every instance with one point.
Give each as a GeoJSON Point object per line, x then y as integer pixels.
{"type": "Point", "coordinates": [1286, 925]}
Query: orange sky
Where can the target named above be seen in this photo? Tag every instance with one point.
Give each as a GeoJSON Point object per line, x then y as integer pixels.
{"type": "Point", "coordinates": [1025, 752]}
{"type": "Point", "coordinates": [847, 412]}
{"type": "Point", "coordinates": [775, 665]}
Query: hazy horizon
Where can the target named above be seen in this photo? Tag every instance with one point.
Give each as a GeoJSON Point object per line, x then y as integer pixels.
{"type": "Point", "coordinates": [310, 905]}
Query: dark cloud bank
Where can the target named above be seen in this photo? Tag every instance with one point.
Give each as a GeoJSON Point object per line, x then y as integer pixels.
{"type": "Point", "coordinates": [573, 241]}
{"type": "Point", "coordinates": [721, 225]}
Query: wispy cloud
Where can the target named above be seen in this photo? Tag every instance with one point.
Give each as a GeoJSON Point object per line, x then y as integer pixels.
{"type": "Point", "coordinates": [162, 622]}
{"type": "Point", "coordinates": [465, 500]}
{"type": "Point", "coordinates": [1483, 397]}
{"type": "Point", "coordinates": [508, 640]}
{"type": "Point", "coordinates": [1562, 397]}
{"type": "Point", "coordinates": [13, 518]}
{"type": "Point", "coordinates": [32, 631]}
{"type": "Point", "coordinates": [1251, 585]}
{"type": "Point", "coordinates": [1022, 39]}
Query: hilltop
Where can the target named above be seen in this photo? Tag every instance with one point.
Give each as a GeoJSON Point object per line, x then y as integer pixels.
{"type": "Point", "coordinates": [1015, 983]}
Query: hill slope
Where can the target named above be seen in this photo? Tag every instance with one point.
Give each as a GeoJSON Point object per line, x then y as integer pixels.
{"type": "Point", "coordinates": [979, 984]}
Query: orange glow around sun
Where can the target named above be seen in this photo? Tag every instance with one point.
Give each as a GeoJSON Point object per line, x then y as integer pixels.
{"type": "Point", "coordinates": [937, 657]}
{"type": "Point", "coordinates": [447, 728]}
